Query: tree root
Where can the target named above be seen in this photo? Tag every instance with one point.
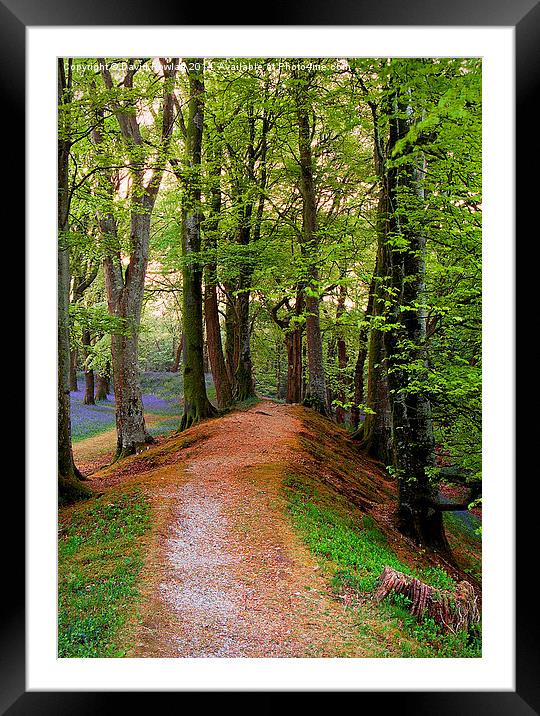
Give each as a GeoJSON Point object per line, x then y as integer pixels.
{"type": "Point", "coordinates": [192, 416]}
{"type": "Point", "coordinates": [452, 611]}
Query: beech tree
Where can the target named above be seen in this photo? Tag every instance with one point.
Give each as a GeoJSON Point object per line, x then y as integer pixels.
{"type": "Point", "coordinates": [404, 249]}
{"type": "Point", "coordinates": [125, 288]}
{"type": "Point", "coordinates": [196, 403]}
{"type": "Point", "coordinates": [220, 375]}
{"type": "Point", "coordinates": [332, 215]}
{"type": "Point", "coordinates": [317, 396]}
{"type": "Point", "coordinates": [69, 485]}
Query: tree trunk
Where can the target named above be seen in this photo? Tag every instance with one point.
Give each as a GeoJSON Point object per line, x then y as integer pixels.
{"type": "Point", "coordinates": [102, 387]}
{"type": "Point", "coordinates": [125, 295]}
{"type": "Point", "coordinates": [196, 404]}
{"type": "Point", "coordinates": [316, 398]}
{"type": "Point", "coordinates": [277, 364]}
{"type": "Point", "coordinates": [89, 387]}
{"type": "Point", "coordinates": [293, 343]}
{"type": "Point", "coordinates": [231, 337]}
{"type": "Point", "coordinates": [245, 386]}
{"type": "Point", "coordinates": [220, 375]}
{"type": "Point", "coordinates": [88, 372]}
{"type": "Point", "coordinates": [292, 329]}
{"type": "Point", "coordinates": [405, 346]}
{"type": "Point", "coordinates": [376, 432]}
{"type": "Point", "coordinates": [303, 392]}
{"type": "Point", "coordinates": [178, 355]}
{"type": "Point", "coordinates": [125, 291]}
{"type": "Point", "coordinates": [342, 357]}
{"type": "Point", "coordinates": [358, 382]}
{"type": "Point", "coordinates": [69, 485]}
{"type": "Point", "coordinates": [331, 355]}
{"type": "Point", "coordinates": [73, 357]}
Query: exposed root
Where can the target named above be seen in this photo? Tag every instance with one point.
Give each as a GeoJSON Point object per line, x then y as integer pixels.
{"type": "Point", "coordinates": [193, 415]}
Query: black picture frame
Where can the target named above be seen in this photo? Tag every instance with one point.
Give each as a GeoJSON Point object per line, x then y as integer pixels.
{"type": "Point", "coordinates": [524, 16]}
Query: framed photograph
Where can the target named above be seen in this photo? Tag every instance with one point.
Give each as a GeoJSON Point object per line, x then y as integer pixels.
{"type": "Point", "coordinates": [37, 677]}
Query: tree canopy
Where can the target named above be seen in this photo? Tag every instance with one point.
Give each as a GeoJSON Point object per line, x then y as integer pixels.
{"type": "Point", "coordinates": [308, 230]}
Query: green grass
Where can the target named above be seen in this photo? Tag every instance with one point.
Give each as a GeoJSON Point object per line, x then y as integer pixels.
{"type": "Point", "coordinates": [354, 551]}
{"type": "Point", "coordinates": [99, 560]}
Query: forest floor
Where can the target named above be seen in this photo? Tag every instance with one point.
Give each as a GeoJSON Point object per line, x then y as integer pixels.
{"type": "Point", "coordinates": [260, 523]}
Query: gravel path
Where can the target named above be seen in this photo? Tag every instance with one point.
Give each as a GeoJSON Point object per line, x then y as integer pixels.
{"type": "Point", "coordinates": [231, 578]}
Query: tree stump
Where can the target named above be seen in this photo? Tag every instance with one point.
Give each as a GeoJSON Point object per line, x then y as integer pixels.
{"type": "Point", "coordinates": [452, 611]}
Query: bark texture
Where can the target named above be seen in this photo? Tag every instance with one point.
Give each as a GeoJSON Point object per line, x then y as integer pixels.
{"type": "Point", "coordinates": [89, 382]}
{"type": "Point", "coordinates": [196, 404]}
{"type": "Point", "coordinates": [73, 387]}
{"type": "Point", "coordinates": [69, 485]}
{"type": "Point", "coordinates": [220, 375]}
{"type": "Point", "coordinates": [316, 392]}
{"type": "Point", "coordinates": [102, 388]}
{"type": "Point", "coordinates": [376, 433]}
{"type": "Point", "coordinates": [125, 289]}
{"type": "Point", "coordinates": [342, 358]}
{"type": "Point", "coordinates": [293, 330]}
{"type": "Point", "coordinates": [453, 612]}
{"type": "Point", "coordinates": [405, 344]}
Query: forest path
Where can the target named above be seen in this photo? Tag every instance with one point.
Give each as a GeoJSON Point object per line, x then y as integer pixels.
{"type": "Point", "coordinates": [227, 576]}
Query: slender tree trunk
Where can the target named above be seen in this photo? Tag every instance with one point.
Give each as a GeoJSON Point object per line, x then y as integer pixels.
{"type": "Point", "coordinates": [73, 357]}
{"type": "Point", "coordinates": [245, 386]}
{"type": "Point", "coordinates": [88, 372]}
{"type": "Point", "coordinates": [376, 433]}
{"type": "Point", "coordinates": [69, 485]}
{"type": "Point", "coordinates": [331, 354]}
{"type": "Point", "coordinates": [277, 364]}
{"type": "Point", "coordinates": [249, 233]}
{"type": "Point", "coordinates": [343, 358]}
{"type": "Point", "coordinates": [317, 397]}
{"type": "Point", "coordinates": [292, 330]}
{"type": "Point", "coordinates": [293, 343]}
{"type": "Point", "coordinates": [196, 404]}
{"type": "Point", "coordinates": [220, 375]}
{"type": "Point", "coordinates": [178, 355]}
{"type": "Point", "coordinates": [304, 390]}
{"type": "Point", "coordinates": [244, 383]}
{"type": "Point", "coordinates": [358, 382]}
{"type": "Point", "coordinates": [231, 337]}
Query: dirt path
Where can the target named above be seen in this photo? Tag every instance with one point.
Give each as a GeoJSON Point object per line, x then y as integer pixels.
{"type": "Point", "coordinates": [227, 576]}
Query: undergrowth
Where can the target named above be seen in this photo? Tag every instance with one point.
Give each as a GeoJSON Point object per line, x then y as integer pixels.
{"type": "Point", "coordinates": [99, 560]}
{"type": "Point", "coordinates": [354, 551]}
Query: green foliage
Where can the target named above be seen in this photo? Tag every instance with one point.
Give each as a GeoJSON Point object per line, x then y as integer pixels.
{"type": "Point", "coordinates": [250, 162]}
